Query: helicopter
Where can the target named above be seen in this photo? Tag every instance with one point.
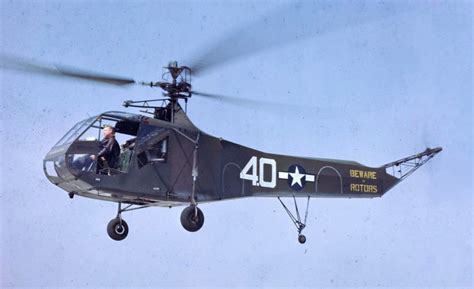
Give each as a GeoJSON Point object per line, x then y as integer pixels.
{"type": "Point", "coordinates": [166, 161]}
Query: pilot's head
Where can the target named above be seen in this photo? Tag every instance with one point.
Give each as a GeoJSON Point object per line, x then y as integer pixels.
{"type": "Point", "coordinates": [108, 131]}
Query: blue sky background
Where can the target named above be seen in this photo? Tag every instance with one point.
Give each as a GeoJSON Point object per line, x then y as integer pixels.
{"type": "Point", "coordinates": [373, 91]}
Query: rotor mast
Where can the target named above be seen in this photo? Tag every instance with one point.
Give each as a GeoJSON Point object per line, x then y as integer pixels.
{"type": "Point", "coordinates": [178, 88]}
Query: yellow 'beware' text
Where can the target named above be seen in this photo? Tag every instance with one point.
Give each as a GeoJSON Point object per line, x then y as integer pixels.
{"type": "Point", "coordinates": [360, 174]}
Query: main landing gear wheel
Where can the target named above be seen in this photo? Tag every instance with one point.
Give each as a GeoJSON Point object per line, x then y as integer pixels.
{"type": "Point", "coordinates": [117, 229]}
{"type": "Point", "coordinates": [192, 218]}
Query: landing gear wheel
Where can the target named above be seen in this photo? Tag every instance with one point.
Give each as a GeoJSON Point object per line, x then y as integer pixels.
{"type": "Point", "coordinates": [302, 239]}
{"type": "Point", "coordinates": [192, 218]}
{"type": "Point", "coordinates": [117, 229]}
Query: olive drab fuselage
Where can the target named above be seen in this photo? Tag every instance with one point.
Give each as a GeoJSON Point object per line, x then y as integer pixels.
{"type": "Point", "coordinates": [222, 169]}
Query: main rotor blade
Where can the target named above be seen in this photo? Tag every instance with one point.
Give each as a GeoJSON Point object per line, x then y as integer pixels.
{"type": "Point", "coordinates": [287, 24]}
{"type": "Point", "coordinates": [16, 63]}
{"type": "Point", "coordinates": [252, 103]}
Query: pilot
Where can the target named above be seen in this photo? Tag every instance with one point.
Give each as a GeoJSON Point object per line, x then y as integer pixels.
{"type": "Point", "coordinates": [109, 150]}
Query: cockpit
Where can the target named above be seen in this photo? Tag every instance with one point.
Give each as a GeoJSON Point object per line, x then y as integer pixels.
{"type": "Point", "coordinates": [76, 152]}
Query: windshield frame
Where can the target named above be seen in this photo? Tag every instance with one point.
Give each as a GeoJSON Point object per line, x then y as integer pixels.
{"type": "Point", "coordinates": [76, 131]}
{"type": "Point", "coordinates": [82, 126]}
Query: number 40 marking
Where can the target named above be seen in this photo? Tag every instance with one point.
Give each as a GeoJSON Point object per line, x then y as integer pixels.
{"type": "Point", "coordinates": [249, 172]}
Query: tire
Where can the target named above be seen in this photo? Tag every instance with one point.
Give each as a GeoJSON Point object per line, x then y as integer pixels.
{"type": "Point", "coordinates": [191, 221]}
{"type": "Point", "coordinates": [117, 230]}
{"type": "Point", "coordinates": [302, 239]}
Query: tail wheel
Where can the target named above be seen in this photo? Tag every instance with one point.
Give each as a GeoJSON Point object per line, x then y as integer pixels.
{"type": "Point", "coordinates": [117, 229]}
{"type": "Point", "coordinates": [296, 219]}
{"type": "Point", "coordinates": [192, 218]}
{"type": "Point", "coordinates": [302, 239]}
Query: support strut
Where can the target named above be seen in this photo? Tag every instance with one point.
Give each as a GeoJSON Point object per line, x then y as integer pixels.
{"type": "Point", "coordinates": [299, 224]}
{"type": "Point", "coordinates": [119, 211]}
{"type": "Point", "coordinates": [192, 217]}
{"type": "Point", "coordinates": [195, 172]}
{"type": "Point", "coordinates": [195, 164]}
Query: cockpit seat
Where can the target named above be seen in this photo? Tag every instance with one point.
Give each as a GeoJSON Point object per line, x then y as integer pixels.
{"type": "Point", "coordinates": [126, 155]}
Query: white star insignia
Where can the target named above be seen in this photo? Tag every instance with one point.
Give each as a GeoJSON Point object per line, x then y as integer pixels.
{"type": "Point", "coordinates": [296, 177]}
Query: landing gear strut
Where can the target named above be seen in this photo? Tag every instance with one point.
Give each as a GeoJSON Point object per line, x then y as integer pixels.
{"type": "Point", "coordinates": [297, 219]}
{"type": "Point", "coordinates": [192, 217]}
{"type": "Point", "coordinates": [118, 228]}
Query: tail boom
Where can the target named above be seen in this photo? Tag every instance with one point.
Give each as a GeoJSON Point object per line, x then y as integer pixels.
{"type": "Point", "coordinates": [304, 177]}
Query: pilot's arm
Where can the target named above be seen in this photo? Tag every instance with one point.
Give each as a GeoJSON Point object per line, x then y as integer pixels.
{"type": "Point", "coordinates": [107, 146]}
